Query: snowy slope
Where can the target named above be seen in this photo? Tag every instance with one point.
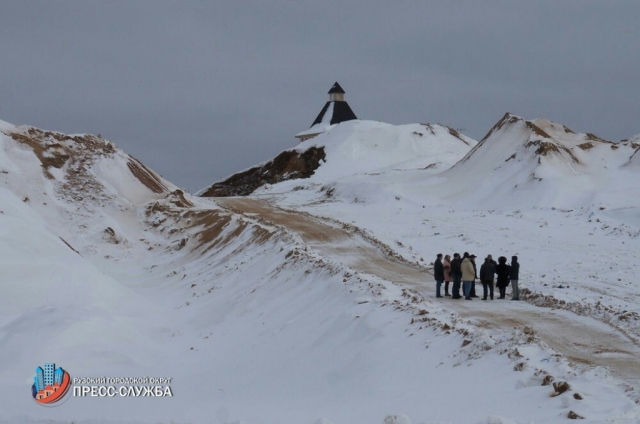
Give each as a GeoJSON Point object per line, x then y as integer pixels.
{"type": "Point", "coordinates": [57, 306]}
{"type": "Point", "coordinates": [250, 323]}
{"type": "Point", "coordinates": [566, 203]}
{"type": "Point", "coordinates": [353, 149]}
{"type": "Point", "coordinates": [569, 200]}
{"type": "Point", "coordinates": [539, 163]}
{"type": "Point", "coordinates": [82, 180]}
{"type": "Point", "coordinates": [255, 322]}
{"type": "Point", "coordinates": [368, 160]}
{"type": "Point", "coordinates": [360, 147]}
{"type": "Point", "coordinates": [519, 162]}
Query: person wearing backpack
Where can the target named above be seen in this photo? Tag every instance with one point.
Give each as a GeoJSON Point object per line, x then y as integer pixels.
{"type": "Point", "coordinates": [513, 274]}
{"type": "Point", "coordinates": [504, 273]}
{"type": "Point", "coordinates": [438, 273]}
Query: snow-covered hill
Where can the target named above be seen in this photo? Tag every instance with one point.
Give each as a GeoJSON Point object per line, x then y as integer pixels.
{"type": "Point", "coordinates": [354, 148]}
{"type": "Point", "coordinates": [361, 147]}
{"type": "Point", "coordinates": [565, 203]}
{"type": "Point", "coordinates": [539, 163]}
{"type": "Point", "coordinates": [519, 162]}
{"type": "Point", "coordinates": [262, 315]}
{"type": "Point", "coordinates": [554, 194]}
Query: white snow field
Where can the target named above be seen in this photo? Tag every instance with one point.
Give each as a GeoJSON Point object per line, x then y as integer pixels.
{"type": "Point", "coordinates": [310, 301]}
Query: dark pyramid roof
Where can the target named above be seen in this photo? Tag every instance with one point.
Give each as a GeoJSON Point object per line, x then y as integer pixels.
{"type": "Point", "coordinates": [336, 89]}
{"type": "Point", "coordinates": [341, 112]}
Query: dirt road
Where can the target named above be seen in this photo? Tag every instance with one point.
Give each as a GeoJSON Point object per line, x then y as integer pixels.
{"type": "Point", "coordinates": [583, 340]}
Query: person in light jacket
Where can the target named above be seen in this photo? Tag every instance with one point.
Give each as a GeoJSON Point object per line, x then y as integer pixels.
{"type": "Point", "coordinates": [447, 273]}
{"type": "Point", "coordinates": [514, 270]}
{"type": "Point", "coordinates": [475, 276]}
{"type": "Point", "coordinates": [468, 275]}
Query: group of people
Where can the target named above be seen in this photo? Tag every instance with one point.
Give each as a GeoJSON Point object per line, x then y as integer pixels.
{"type": "Point", "coordinates": [464, 270]}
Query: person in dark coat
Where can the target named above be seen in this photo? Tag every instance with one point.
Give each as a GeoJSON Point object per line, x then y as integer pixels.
{"type": "Point", "coordinates": [513, 274]}
{"type": "Point", "coordinates": [503, 272]}
{"type": "Point", "coordinates": [438, 273]}
{"type": "Point", "coordinates": [475, 275]}
{"type": "Point", "coordinates": [487, 272]}
{"type": "Point", "coordinates": [456, 274]}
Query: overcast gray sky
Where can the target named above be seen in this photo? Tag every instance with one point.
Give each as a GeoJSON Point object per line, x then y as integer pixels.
{"type": "Point", "coordinates": [199, 90]}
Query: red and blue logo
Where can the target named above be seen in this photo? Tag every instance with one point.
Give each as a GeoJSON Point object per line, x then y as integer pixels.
{"type": "Point", "coordinates": [50, 384]}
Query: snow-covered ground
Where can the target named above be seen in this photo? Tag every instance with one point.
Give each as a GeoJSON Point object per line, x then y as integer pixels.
{"type": "Point", "coordinates": [266, 316]}
{"type": "Point", "coordinates": [565, 203]}
{"type": "Point", "coordinates": [570, 212]}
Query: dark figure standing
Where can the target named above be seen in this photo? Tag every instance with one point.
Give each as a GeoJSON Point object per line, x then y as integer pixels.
{"type": "Point", "coordinates": [487, 271]}
{"type": "Point", "coordinates": [456, 274]}
{"type": "Point", "coordinates": [438, 274]}
{"type": "Point", "coordinates": [503, 276]}
{"type": "Point", "coordinates": [514, 271]}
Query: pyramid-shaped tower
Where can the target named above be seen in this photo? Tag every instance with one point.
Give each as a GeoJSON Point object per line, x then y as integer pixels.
{"type": "Point", "coordinates": [336, 110]}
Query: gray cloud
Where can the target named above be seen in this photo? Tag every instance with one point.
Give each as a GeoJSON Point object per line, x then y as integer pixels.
{"type": "Point", "coordinates": [198, 90]}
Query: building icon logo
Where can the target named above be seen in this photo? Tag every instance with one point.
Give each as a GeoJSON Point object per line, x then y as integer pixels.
{"type": "Point", "coordinates": [50, 384]}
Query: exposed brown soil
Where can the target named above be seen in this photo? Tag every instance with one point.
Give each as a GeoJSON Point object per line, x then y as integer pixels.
{"type": "Point", "coordinates": [178, 199]}
{"type": "Point", "coordinates": [582, 343]}
{"type": "Point", "coordinates": [34, 139]}
{"type": "Point", "coordinates": [211, 228]}
{"type": "Point", "coordinates": [349, 246]}
{"type": "Point", "coordinates": [573, 416]}
{"type": "Point", "coordinates": [536, 129]}
{"type": "Point", "coordinates": [456, 134]}
{"type": "Point", "coordinates": [76, 154]}
{"type": "Point", "coordinates": [430, 128]}
{"type": "Point", "coordinates": [288, 165]}
{"type": "Point", "coordinates": [593, 137]}
{"type": "Point", "coordinates": [508, 118]}
{"type": "Point", "coordinates": [146, 176]}
{"type": "Point", "coordinates": [546, 148]}
{"type": "Point", "coordinates": [211, 224]}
